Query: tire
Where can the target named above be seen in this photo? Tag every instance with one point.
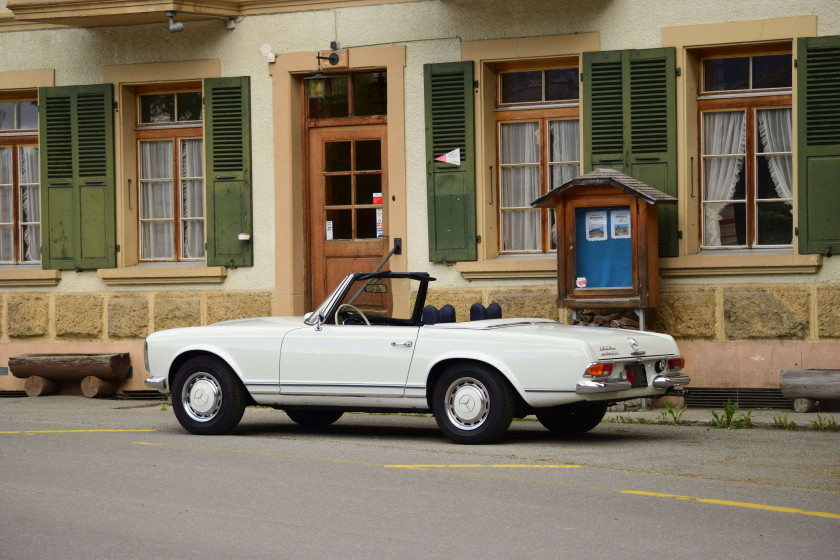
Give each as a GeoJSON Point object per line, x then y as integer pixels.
{"type": "Point", "coordinates": [473, 404]}
{"type": "Point", "coordinates": [573, 419]}
{"type": "Point", "coordinates": [314, 418]}
{"type": "Point", "coordinates": [208, 397]}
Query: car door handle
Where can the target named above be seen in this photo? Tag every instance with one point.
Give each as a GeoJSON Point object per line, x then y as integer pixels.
{"type": "Point", "coordinates": [407, 344]}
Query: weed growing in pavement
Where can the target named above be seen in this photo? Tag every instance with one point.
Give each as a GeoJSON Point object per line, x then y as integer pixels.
{"type": "Point", "coordinates": [675, 412]}
{"type": "Point", "coordinates": [627, 420]}
{"type": "Point", "coordinates": [728, 420]}
{"type": "Point", "coordinates": [821, 424]}
{"type": "Point", "coordinates": [783, 423]}
{"type": "Point", "coordinates": [163, 406]}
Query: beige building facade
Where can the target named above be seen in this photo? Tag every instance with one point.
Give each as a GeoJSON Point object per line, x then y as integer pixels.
{"type": "Point", "coordinates": [742, 291]}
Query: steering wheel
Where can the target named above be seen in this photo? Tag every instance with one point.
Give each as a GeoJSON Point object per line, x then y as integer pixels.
{"type": "Point", "coordinates": [352, 308]}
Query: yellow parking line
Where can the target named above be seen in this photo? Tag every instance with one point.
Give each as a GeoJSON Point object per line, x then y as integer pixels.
{"type": "Point", "coordinates": [747, 505]}
{"type": "Point", "coordinates": [33, 432]}
{"type": "Point", "coordinates": [424, 467]}
{"type": "Point", "coordinates": [145, 443]}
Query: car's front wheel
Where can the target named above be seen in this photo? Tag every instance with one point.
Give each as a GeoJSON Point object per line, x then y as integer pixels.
{"type": "Point", "coordinates": [314, 418]}
{"type": "Point", "coordinates": [208, 397]}
{"type": "Point", "coordinates": [573, 419]}
{"type": "Point", "coordinates": [473, 404]}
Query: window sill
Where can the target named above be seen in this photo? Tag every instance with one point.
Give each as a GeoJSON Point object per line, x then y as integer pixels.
{"type": "Point", "coordinates": [740, 263]}
{"type": "Point", "coordinates": [25, 276]}
{"type": "Point", "coordinates": [173, 274]}
{"type": "Point", "coordinates": [537, 266]}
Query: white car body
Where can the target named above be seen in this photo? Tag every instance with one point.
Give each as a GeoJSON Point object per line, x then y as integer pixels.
{"type": "Point", "coordinates": [311, 362]}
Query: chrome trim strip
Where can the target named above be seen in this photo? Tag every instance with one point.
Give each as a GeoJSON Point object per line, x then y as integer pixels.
{"type": "Point", "coordinates": [158, 383]}
{"type": "Point", "coordinates": [548, 391]}
{"type": "Point", "coordinates": [263, 383]}
{"type": "Point", "coordinates": [361, 385]}
{"type": "Point", "coordinates": [362, 395]}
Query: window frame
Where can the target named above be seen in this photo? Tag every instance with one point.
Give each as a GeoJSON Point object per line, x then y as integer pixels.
{"type": "Point", "coordinates": [174, 132]}
{"type": "Point", "coordinates": [17, 138]}
{"type": "Point", "coordinates": [750, 101]}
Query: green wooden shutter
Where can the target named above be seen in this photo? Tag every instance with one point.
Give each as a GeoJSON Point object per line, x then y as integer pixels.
{"type": "Point", "coordinates": [629, 120]}
{"type": "Point", "coordinates": [818, 144]}
{"type": "Point", "coordinates": [450, 188]}
{"type": "Point", "coordinates": [227, 145]}
{"type": "Point", "coordinates": [78, 214]}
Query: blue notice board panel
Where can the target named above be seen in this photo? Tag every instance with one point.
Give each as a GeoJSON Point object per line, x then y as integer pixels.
{"type": "Point", "coordinates": [604, 251]}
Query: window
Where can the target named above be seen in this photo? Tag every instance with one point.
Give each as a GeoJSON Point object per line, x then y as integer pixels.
{"type": "Point", "coordinates": [170, 157]}
{"type": "Point", "coordinates": [357, 94]}
{"type": "Point", "coordinates": [20, 203]}
{"type": "Point", "coordinates": [746, 151]}
{"type": "Point", "coordinates": [538, 150]}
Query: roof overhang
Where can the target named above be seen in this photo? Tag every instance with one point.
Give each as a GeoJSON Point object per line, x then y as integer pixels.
{"type": "Point", "coordinates": [95, 13]}
{"type": "Point", "coordinates": [610, 177]}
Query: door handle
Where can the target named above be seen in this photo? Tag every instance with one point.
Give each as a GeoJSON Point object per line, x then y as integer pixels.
{"type": "Point", "coordinates": [407, 344]}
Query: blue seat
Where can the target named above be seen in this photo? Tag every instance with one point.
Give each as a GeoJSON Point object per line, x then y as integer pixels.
{"type": "Point", "coordinates": [431, 315]}
{"type": "Point", "coordinates": [447, 314]}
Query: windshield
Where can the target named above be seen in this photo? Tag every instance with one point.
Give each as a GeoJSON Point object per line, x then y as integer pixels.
{"type": "Point", "coordinates": [378, 298]}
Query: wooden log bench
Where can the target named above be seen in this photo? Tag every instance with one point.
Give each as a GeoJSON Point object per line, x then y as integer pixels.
{"type": "Point", "coordinates": [811, 388]}
{"type": "Point", "coordinates": [44, 373]}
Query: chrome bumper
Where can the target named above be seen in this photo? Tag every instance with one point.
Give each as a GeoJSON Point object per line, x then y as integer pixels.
{"type": "Point", "coordinates": [592, 386]}
{"type": "Point", "coordinates": [669, 381]}
{"type": "Point", "coordinates": [158, 383]}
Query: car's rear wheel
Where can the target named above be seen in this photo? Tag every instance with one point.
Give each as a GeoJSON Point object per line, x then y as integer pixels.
{"type": "Point", "coordinates": [208, 397]}
{"type": "Point", "coordinates": [314, 418]}
{"type": "Point", "coordinates": [573, 419]}
{"type": "Point", "coordinates": [473, 404]}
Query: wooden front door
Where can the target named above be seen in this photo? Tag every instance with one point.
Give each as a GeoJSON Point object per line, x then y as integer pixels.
{"type": "Point", "coordinates": [348, 182]}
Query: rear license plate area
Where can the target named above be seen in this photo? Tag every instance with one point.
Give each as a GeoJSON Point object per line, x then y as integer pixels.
{"type": "Point", "coordinates": [636, 375]}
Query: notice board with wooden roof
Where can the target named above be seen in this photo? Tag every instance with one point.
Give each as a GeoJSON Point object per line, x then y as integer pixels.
{"type": "Point", "coordinates": [607, 241]}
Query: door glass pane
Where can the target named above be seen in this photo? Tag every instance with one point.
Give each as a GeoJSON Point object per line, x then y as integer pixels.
{"type": "Point", "coordinates": [726, 74]}
{"type": "Point", "coordinates": [521, 87]}
{"type": "Point", "coordinates": [29, 165]}
{"type": "Point", "coordinates": [157, 108]}
{"type": "Point", "coordinates": [7, 243]}
{"type": "Point", "coordinates": [337, 104]}
{"type": "Point", "coordinates": [341, 224]}
{"type": "Point", "coordinates": [366, 187]}
{"type": "Point", "coordinates": [366, 222]}
{"type": "Point", "coordinates": [338, 190]}
{"type": "Point", "coordinates": [5, 165]}
{"type": "Point", "coordinates": [370, 93]}
{"type": "Point", "coordinates": [156, 160]}
{"type": "Point", "coordinates": [768, 180]}
{"type": "Point", "coordinates": [772, 71]}
{"type": "Point", "coordinates": [30, 204]}
{"type": "Point", "coordinates": [368, 155]}
{"type": "Point", "coordinates": [520, 142]}
{"type": "Point", "coordinates": [27, 117]}
{"type": "Point", "coordinates": [336, 156]}
{"type": "Point", "coordinates": [520, 185]}
{"type": "Point", "coordinates": [562, 85]}
{"type": "Point", "coordinates": [6, 211]}
{"type": "Point", "coordinates": [775, 223]}
{"type": "Point", "coordinates": [189, 106]}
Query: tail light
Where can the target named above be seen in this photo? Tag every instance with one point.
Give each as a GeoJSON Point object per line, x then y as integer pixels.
{"type": "Point", "coordinates": [599, 370]}
{"type": "Point", "coordinates": [676, 363]}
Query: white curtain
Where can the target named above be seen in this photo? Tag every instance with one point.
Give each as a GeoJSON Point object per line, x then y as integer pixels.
{"type": "Point", "coordinates": [7, 215]}
{"type": "Point", "coordinates": [774, 128]}
{"type": "Point", "coordinates": [156, 201]}
{"type": "Point", "coordinates": [30, 201]}
{"type": "Point", "coordinates": [192, 198]}
{"type": "Point", "coordinates": [724, 134]}
{"type": "Point", "coordinates": [520, 184]}
{"type": "Point", "coordinates": [563, 151]}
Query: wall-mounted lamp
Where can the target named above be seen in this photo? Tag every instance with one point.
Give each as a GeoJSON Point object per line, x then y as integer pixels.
{"type": "Point", "coordinates": [318, 85]}
{"type": "Point", "coordinates": [173, 26]}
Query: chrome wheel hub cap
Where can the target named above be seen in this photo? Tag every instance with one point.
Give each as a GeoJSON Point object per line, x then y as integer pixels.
{"type": "Point", "coordinates": [467, 403]}
{"type": "Point", "coordinates": [202, 397]}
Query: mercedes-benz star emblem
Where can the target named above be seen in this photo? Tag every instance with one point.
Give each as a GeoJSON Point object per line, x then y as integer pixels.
{"type": "Point", "coordinates": [633, 344]}
{"type": "Point", "coordinates": [467, 403]}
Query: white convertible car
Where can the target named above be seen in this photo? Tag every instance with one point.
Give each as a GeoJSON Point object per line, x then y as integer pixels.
{"type": "Point", "coordinates": [353, 354]}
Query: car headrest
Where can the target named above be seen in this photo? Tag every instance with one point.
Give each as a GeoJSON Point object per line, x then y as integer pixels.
{"type": "Point", "coordinates": [431, 315]}
{"type": "Point", "coordinates": [447, 314]}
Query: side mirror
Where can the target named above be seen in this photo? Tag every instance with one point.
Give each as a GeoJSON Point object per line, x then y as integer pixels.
{"type": "Point", "coordinates": [320, 321]}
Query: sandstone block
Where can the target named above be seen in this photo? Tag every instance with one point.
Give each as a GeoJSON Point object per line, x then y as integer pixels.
{"type": "Point", "coordinates": [521, 301]}
{"type": "Point", "coordinates": [79, 315]}
{"type": "Point", "coordinates": [687, 313]}
{"type": "Point", "coordinates": [778, 312]}
{"type": "Point", "coordinates": [458, 298]}
{"type": "Point", "coordinates": [28, 316]}
{"type": "Point", "coordinates": [828, 311]}
{"type": "Point", "coordinates": [173, 311]}
{"type": "Point", "coordinates": [224, 307]}
{"type": "Point", "coordinates": [128, 317]}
